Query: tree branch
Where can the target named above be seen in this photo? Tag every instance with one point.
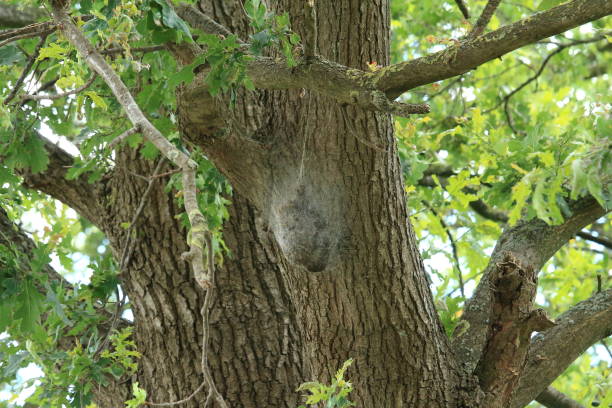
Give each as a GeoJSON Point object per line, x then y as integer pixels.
{"type": "Point", "coordinates": [37, 97]}
{"type": "Point", "coordinates": [356, 87]}
{"type": "Point", "coordinates": [77, 193]}
{"type": "Point", "coordinates": [199, 234]}
{"type": "Point", "coordinates": [484, 18]}
{"type": "Point", "coordinates": [499, 317]}
{"type": "Point", "coordinates": [552, 398]}
{"type": "Point", "coordinates": [553, 351]}
{"type": "Point", "coordinates": [346, 85]}
{"type": "Point", "coordinates": [26, 70]}
{"type": "Point", "coordinates": [399, 78]}
{"type": "Point", "coordinates": [14, 16]}
{"type": "Point", "coordinates": [482, 209]}
{"type": "Point", "coordinates": [97, 63]}
{"type": "Point", "coordinates": [463, 8]}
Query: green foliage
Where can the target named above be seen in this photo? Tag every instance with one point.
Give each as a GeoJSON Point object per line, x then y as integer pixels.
{"type": "Point", "coordinates": [270, 31]}
{"type": "Point", "coordinates": [549, 147]}
{"type": "Point", "coordinates": [334, 395]}
{"type": "Point", "coordinates": [139, 399]}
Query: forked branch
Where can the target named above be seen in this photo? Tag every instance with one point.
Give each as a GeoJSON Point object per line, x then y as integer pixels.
{"type": "Point", "coordinates": [499, 317]}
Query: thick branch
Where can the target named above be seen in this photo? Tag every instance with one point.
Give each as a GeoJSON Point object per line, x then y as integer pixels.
{"type": "Point", "coordinates": [499, 318]}
{"type": "Point", "coordinates": [346, 85]}
{"type": "Point", "coordinates": [78, 194]}
{"type": "Point", "coordinates": [12, 15]}
{"type": "Point", "coordinates": [399, 78]}
{"type": "Point", "coordinates": [97, 63]}
{"type": "Point", "coordinates": [552, 398]}
{"type": "Point", "coordinates": [553, 351]}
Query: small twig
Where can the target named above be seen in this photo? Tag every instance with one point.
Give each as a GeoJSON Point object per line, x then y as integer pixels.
{"type": "Point", "coordinates": [168, 173]}
{"type": "Point", "coordinates": [125, 258]}
{"type": "Point", "coordinates": [598, 283]}
{"type": "Point", "coordinates": [484, 19]}
{"type": "Point", "coordinates": [605, 344]}
{"type": "Point", "coordinates": [19, 37]}
{"type": "Point", "coordinates": [463, 8]}
{"type": "Point", "coordinates": [453, 246]}
{"type": "Point", "coordinates": [28, 31]}
{"type": "Point", "coordinates": [599, 240]}
{"type": "Point", "coordinates": [26, 70]}
{"type": "Point", "coordinates": [119, 139]}
{"type": "Point", "coordinates": [60, 95]}
{"type": "Point", "coordinates": [560, 48]}
{"type": "Point", "coordinates": [119, 50]}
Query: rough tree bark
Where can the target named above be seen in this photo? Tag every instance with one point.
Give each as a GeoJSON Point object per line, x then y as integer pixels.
{"type": "Point", "coordinates": [324, 264]}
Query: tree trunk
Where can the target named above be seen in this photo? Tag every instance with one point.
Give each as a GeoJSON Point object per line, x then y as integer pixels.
{"type": "Point", "coordinates": [324, 264]}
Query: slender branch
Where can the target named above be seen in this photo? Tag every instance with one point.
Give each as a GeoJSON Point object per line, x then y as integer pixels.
{"type": "Point", "coordinates": [118, 50]}
{"type": "Point", "coordinates": [484, 19]}
{"type": "Point", "coordinates": [26, 70]}
{"type": "Point", "coordinates": [199, 235]}
{"type": "Point", "coordinates": [552, 398]}
{"type": "Point", "coordinates": [399, 78]}
{"type": "Point", "coordinates": [62, 94]}
{"type": "Point", "coordinates": [463, 8]}
{"type": "Point", "coordinates": [453, 246]}
{"type": "Point", "coordinates": [201, 21]}
{"type": "Point", "coordinates": [21, 37]}
{"type": "Point", "coordinates": [119, 139]}
{"type": "Point", "coordinates": [138, 119]}
{"type": "Point", "coordinates": [539, 72]}
{"type": "Point", "coordinates": [552, 352]}
{"type": "Point", "coordinates": [598, 240]}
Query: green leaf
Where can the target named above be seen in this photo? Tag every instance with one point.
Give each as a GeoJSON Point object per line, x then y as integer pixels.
{"type": "Point", "coordinates": [140, 397]}
{"type": "Point", "coordinates": [54, 50]}
{"type": "Point", "coordinates": [97, 100]}
{"type": "Point", "coordinates": [171, 20]}
{"type": "Point", "coordinates": [30, 306]}
{"type": "Point", "coordinates": [10, 55]}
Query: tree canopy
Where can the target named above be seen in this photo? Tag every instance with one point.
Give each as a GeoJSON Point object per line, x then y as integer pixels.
{"type": "Point", "coordinates": [493, 131]}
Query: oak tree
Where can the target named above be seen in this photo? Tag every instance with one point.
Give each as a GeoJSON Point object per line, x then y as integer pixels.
{"type": "Point", "coordinates": [255, 186]}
